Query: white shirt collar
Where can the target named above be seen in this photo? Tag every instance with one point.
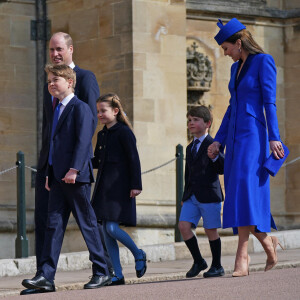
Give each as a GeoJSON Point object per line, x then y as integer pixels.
{"type": "Point", "coordinates": [66, 100]}
{"type": "Point", "coordinates": [72, 65]}
{"type": "Point", "coordinates": [201, 138]}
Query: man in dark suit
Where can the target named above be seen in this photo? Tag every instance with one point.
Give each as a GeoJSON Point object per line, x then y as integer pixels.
{"type": "Point", "coordinates": [69, 176]}
{"type": "Point", "coordinates": [87, 90]}
{"type": "Point", "coordinates": [202, 194]}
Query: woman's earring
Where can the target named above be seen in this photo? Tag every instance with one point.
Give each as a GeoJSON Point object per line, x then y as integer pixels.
{"type": "Point", "coordinates": [240, 50]}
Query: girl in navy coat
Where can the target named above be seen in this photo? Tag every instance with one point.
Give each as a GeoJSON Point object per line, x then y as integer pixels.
{"type": "Point", "coordinates": [248, 128]}
{"type": "Point", "coordinates": [118, 182]}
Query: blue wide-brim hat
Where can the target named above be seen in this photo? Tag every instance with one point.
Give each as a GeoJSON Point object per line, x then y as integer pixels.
{"type": "Point", "coordinates": [226, 31]}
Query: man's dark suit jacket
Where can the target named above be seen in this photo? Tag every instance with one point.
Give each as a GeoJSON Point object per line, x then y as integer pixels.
{"type": "Point", "coordinates": [201, 174]}
{"type": "Point", "coordinates": [72, 142]}
{"type": "Point", "coordinates": [86, 89]}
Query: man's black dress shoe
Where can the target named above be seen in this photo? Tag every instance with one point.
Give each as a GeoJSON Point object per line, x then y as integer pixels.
{"type": "Point", "coordinates": [119, 281]}
{"type": "Point", "coordinates": [32, 291]}
{"type": "Point", "coordinates": [97, 281]}
{"type": "Point", "coordinates": [196, 269]}
{"type": "Point", "coordinates": [214, 272]}
{"type": "Point", "coordinates": [140, 273]}
{"type": "Point", "coordinates": [39, 282]}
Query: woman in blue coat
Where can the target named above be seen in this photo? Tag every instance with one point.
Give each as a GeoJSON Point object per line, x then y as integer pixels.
{"type": "Point", "coordinates": [248, 128]}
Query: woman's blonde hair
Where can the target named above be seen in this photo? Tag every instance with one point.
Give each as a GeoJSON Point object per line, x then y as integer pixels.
{"type": "Point", "coordinates": [248, 43]}
{"type": "Point", "coordinates": [114, 101]}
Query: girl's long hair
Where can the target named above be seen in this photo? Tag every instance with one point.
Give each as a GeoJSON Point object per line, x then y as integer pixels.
{"type": "Point", "coordinates": [114, 101]}
{"type": "Point", "coordinates": [248, 43]}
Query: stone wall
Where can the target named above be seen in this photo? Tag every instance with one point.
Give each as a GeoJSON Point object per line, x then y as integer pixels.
{"type": "Point", "coordinates": [102, 35]}
{"type": "Point", "coordinates": [291, 44]}
{"type": "Point", "coordinates": [119, 44]}
{"type": "Point", "coordinates": [138, 50]}
{"type": "Point", "coordinates": [17, 103]}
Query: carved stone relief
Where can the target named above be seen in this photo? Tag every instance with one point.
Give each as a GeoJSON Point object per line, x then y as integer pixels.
{"type": "Point", "coordinates": [199, 70]}
{"type": "Point", "coordinates": [199, 75]}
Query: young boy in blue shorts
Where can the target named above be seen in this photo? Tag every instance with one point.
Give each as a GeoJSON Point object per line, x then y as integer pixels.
{"type": "Point", "coordinates": [202, 195]}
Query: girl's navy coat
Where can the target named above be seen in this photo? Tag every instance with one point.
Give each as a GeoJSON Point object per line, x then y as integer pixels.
{"type": "Point", "coordinates": [119, 171]}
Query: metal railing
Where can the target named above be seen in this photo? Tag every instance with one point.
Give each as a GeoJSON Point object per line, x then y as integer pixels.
{"type": "Point", "coordinates": [21, 242]}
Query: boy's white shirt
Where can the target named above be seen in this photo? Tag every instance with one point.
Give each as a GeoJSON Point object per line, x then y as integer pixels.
{"type": "Point", "coordinates": [64, 103]}
{"type": "Point", "coordinates": [201, 139]}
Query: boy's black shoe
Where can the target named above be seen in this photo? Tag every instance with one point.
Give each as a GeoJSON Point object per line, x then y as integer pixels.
{"type": "Point", "coordinates": [214, 272]}
{"type": "Point", "coordinates": [196, 269]}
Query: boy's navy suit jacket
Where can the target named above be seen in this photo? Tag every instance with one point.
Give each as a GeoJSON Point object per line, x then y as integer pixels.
{"type": "Point", "coordinates": [86, 89]}
{"type": "Point", "coordinates": [201, 174]}
{"type": "Point", "coordinates": [72, 142]}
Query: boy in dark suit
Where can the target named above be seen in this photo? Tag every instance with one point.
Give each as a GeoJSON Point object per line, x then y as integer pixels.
{"type": "Point", "coordinates": [87, 90]}
{"type": "Point", "coordinates": [69, 177]}
{"type": "Point", "coordinates": [202, 195]}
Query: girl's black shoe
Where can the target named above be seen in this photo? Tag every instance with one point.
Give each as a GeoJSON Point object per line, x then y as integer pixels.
{"type": "Point", "coordinates": [119, 281]}
{"type": "Point", "coordinates": [140, 273]}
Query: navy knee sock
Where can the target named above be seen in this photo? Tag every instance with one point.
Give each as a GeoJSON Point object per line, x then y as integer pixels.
{"type": "Point", "coordinates": [192, 245]}
{"type": "Point", "coordinates": [215, 247]}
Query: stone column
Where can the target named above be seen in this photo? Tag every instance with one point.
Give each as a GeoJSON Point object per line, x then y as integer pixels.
{"type": "Point", "coordinates": [159, 105]}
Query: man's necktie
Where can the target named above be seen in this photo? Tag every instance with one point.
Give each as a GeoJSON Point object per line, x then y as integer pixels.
{"type": "Point", "coordinates": [194, 148]}
{"type": "Point", "coordinates": [54, 103]}
{"type": "Point", "coordinates": [54, 123]}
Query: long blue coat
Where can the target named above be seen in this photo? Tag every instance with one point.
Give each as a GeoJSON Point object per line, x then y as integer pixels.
{"type": "Point", "coordinates": [246, 132]}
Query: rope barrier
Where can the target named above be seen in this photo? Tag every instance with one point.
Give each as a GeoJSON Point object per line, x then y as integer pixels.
{"type": "Point", "coordinates": [168, 162]}
{"type": "Point", "coordinates": [32, 169]}
{"type": "Point", "coordinates": [158, 167]}
{"type": "Point", "coordinates": [290, 162]}
{"type": "Point", "coordinates": [145, 172]}
{"type": "Point", "coordinates": [7, 170]}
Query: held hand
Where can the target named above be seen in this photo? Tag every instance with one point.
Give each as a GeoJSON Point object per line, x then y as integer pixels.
{"type": "Point", "coordinates": [276, 148]}
{"type": "Point", "coordinates": [211, 155]}
{"type": "Point", "coordinates": [134, 193]}
{"type": "Point", "coordinates": [213, 150]}
{"type": "Point", "coordinates": [181, 203]}
{"type": "Point", "coordinates": [47, 185]}
{"type": "Point", "coordinates": [70, 177]}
